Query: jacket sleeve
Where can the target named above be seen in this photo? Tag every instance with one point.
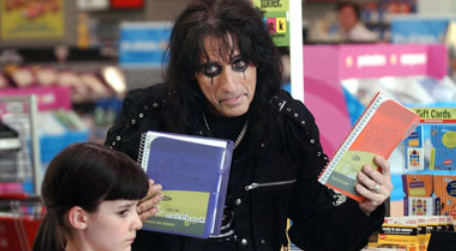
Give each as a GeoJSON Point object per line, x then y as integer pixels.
{"type": "Point", "coordinates": [317, 224]}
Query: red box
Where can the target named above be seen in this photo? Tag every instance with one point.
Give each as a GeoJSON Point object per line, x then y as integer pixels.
{"type": "Point", "coordinates": [17, 233]}
{"type": "Point", "coordinates": [127, 4]}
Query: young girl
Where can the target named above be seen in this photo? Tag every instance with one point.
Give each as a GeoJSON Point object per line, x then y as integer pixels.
{"type": "Point", "coordinates": [91, 194]}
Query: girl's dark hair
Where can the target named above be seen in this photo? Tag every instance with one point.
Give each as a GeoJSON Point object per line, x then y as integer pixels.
{"type": "Point", "coordinates": [84, 174]}
{"type": "Point", "coordinates": [229, 21]}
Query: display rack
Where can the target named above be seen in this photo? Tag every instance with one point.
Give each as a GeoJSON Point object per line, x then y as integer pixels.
{"type": "Point", "coordinates": [20, 113]}
{"type": "Point", "coordinates": [21, 209]}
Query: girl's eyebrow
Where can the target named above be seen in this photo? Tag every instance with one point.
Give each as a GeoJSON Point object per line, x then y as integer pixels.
{"type": "Point", "coordinates": [127, 205]}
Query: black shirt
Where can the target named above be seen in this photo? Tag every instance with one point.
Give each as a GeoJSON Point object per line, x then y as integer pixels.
{"type": "Point", "coordinates": [284, 170]}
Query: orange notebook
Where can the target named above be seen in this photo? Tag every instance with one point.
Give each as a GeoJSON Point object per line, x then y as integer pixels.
{"type": "Point", "coordinates": [379, 130]}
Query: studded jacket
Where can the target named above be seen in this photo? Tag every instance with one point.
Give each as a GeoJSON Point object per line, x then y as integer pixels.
{"type": "Point", "coordinates": [269, 182]}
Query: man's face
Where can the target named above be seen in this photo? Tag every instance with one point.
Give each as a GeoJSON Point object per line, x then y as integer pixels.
{"type": "Point", "coordinates": [228, 84]}
{"type": "Point", "coordinates": [347, 18]}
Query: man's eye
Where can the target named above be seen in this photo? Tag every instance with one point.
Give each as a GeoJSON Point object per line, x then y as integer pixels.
{"type": "Point", "coordinates": [211, 70]}
{"type": "Point", "coordinates": [240, 65]}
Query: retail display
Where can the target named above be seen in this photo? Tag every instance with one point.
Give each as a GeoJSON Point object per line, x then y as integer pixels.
{"type": "Point", "coordinates": [194, 173]}
{"type": "Point", "coordinates": [85, 86]}
{"type": "Point", "coordinates": [418, 185]}
{"type": "Point", "coordinates": [421, 206]}
{"type": "Point", "coordinates": [412, 233]}
{"type": "Point", "coordinates": [379, 130]}
{"type": "Point", "coordinates": [443, 138]}
{"type": "Point", "coordinates": [9, 138]}
{"type": "Point", "coordinates": [445, 189]}
{"type": "Point", "coordinates": [17, 168]}
{"type": "Point", "coordinates": [414, 150]}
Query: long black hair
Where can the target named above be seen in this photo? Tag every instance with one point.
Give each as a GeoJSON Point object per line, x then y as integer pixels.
{"type": "Point", "coordinates": [84, 174]}
{"type": "Point", "coordinates": [229, 21]}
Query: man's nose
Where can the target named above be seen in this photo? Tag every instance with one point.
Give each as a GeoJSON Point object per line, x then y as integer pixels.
{"type": "Point", "coordinates": [228, 80]}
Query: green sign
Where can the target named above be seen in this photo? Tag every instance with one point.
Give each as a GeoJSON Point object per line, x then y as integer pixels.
{"type": "Point", "coordinates": [436, 115]}
{"type": "Point", "coordinates": [276, 18]}
{"type": "Point", "coordinates": [272, 5]}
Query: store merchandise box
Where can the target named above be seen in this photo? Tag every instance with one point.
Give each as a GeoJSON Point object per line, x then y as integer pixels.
{"type": "Point", "coordinates": [417, 185]}
{"type": "Point", "coordinates": [400, 231]}
{"type": "Point", "coordinates": [445, 188]}
{"type": "Point", "coordinates": [443, 138]}
{"type": "Point", "coordinates": [421, 206]}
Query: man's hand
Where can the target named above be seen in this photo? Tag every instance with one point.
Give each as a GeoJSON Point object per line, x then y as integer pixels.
{"type": "Point", "coordinates": [147, 207]}
{"type": "Point", "coordinates": [375, 186]}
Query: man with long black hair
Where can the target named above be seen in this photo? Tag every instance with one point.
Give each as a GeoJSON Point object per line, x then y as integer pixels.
{"type": "Point", "coordinates": [223, 80]}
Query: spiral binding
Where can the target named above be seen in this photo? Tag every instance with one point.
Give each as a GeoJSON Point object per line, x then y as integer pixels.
{"type": "Point", "coordinates": [143, 158]}
{"type": "Point", "coordinates": [359, 125]}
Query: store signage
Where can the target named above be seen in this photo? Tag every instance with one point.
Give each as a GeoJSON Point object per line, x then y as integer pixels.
{"type": "Point", "coordinates": [418, 30]}
{"type": "Point", "coordinates": [276, 19]}
{"type": "Point", "coordinates": [48, 98]}
{"type": "Point", "coordinates": [143, 44]}
{"type": "Point", "coordinates": [436, 115]}
{"type": "Point", "coordinates": [379, 60]}
{"type": "Point", "coordinates": [25, 20]}
{"type": "Point", "coordinates": [364, 61]}
{"type": "Point", "coordinates": [272, 5]}
{"type": "Point", "coordinates": [371, 60]}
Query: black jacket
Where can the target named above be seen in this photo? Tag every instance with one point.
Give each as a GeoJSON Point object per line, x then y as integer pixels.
{"type": "Point", "coordinates": [287, 168]}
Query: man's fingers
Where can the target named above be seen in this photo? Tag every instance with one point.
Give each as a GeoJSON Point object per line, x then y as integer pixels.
{"type": "Point", "coordinates": [386, 170]}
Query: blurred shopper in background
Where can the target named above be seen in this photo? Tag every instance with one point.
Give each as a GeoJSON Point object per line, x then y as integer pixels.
{"type": "Point", "coordinates": [352, 29]}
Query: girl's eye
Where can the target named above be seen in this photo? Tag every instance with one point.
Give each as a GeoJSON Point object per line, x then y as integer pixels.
{"type": "Point", "coordinates": [211, 70]}
{"type": "Point", "coordinates": [123, 213]}
{"type": "Point", "coordinates": [240, 65]}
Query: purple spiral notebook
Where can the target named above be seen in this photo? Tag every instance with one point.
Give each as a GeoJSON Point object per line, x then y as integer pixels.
{"type": "Point", "coordinates": [194, 173]}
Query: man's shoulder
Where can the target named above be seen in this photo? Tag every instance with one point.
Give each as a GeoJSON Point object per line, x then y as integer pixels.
{"type": "Point", "coordinates": [284, 103]}
{"type": "Point", "coordinates": [287, 106]}
{"type": "Point", "coordinates": [143, 97]}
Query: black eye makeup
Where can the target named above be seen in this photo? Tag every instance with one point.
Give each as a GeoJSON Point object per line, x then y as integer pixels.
{"type": "Point", "coordinates": [239, 65]}
{"type": "Point", "coordinates": [211, 69]}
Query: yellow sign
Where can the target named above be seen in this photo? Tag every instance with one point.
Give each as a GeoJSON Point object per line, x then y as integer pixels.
{"type": "Point", "coordinates": [281, 25]}
{"type": "Point", "coordinates": [436, 115]}
{"type": "Point", "coordinates": [32, 19]}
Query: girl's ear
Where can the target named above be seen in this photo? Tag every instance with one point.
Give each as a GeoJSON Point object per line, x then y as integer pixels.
{"type": "Point", "coordinates": [78, 218]}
